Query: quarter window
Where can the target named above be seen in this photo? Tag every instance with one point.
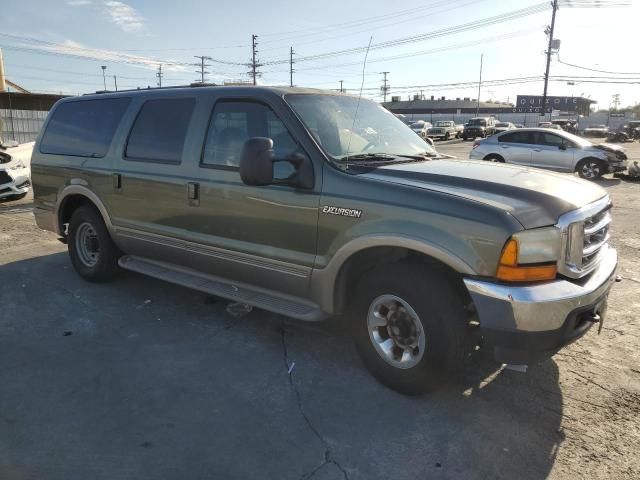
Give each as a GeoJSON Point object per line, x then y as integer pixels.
{"type": "Point", "coordinates": [159, 132]}
{"type": "Point", "coordinates": [83, 128]}
{"type": "Point", "coordinates": [233, 122]}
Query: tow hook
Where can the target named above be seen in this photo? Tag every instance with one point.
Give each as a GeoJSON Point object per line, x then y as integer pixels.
{"type": "Point", "coordinates": [618, 278]}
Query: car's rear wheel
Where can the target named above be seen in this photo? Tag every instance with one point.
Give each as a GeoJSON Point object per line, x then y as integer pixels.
{"type": "Point", "coordinates": [93, 253]}
{"type": "Point", "coordinates": [493, 157]}
{"type": "Point", "coordinates": [590, 168]}
{"type": "Point", "coordinates": [409, 327]}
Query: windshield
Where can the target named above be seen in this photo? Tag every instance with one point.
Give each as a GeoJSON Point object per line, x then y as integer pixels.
{"type": "Point", "coordinates": [502, 124]}
{"type": "Point", "coordinates": [478, 121]}
{"type": "Point", "coordinates": [442, 124]}
{"type": "Point", "coordinates": [597, 126]}
{"type": "Point", "coordinates": [330, 119]}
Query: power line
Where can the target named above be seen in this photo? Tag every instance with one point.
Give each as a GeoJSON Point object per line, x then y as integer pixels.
{"type": "Point", "coordinates": [595, 69]}
{"type": "Point", "coordinates": [537, 8]}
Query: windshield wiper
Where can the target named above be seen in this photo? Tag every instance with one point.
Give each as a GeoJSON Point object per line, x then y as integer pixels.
{"type": "Point", "coordinates": [358, 157]}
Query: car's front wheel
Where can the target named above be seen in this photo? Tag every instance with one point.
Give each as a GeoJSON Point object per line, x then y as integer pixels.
{"type": "Point", "coordinates": [93, 253]}
{"type": "Point", "coordinates": [590, 168]}
{"type": "Point", "coordinates": [409, 326]}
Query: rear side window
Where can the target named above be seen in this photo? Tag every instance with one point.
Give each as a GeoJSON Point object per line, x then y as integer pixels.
{"type": "Point", "coordinates": [159, 132]}
{"type": "Point", "coordinates": [515, 137]}
{"type": "Point", "coordinates": [83, 128]}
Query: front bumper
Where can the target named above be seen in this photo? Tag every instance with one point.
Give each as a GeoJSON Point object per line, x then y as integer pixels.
{"type": "Point", "coordinates": [20, 184]}
{"type": "Point", "coordinates": [617, 167]}
{"type": "Point", "coordinates": [529, 323]}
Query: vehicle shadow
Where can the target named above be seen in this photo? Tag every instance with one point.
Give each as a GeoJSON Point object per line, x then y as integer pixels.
{"type": "Point", "coordinates": [607, 182]}
{"type": "Point", "coordinates": [139, 375]}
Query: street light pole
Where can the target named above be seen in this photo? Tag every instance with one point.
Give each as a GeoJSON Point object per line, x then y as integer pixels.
{"type": "Point", "coordinates": [104, 78]}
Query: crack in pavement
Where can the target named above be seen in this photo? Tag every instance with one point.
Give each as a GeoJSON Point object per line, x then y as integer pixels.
{"type": "Point", "coordinates": [328, 459]}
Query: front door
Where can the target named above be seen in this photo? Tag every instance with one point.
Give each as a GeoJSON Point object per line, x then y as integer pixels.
{"type": "Point", "coordinates": [551, 151]}
{"type": "Point", "coordinates": [264, 236]}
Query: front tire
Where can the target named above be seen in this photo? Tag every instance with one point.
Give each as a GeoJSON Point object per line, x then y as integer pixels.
{"type": "Point", "coordinates": [93, 253]}
{"type": "Point", "coordinates": [494, 158]}
{"type": "Point", "coordinates": [591, 168]}
{"type": "Point", "coordinates": [409, 327]}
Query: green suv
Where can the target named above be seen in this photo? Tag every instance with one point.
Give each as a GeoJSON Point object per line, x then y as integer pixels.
{"type": "Point", "coordinates": [314, 204]}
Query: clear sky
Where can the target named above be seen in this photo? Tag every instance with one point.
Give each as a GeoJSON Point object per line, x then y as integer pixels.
{"type": "Point", "coordinates": [132, 38]}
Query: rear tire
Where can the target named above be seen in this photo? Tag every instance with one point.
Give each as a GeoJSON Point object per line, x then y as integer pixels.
{"type": "Point", "coordinates": [409, 327]}
{"type": "Point", "coordinates": [591, 168]}
{"type": "Point", "coordinates": [493, 157]}
{"type": "Point", "coordinates": [93, 253]}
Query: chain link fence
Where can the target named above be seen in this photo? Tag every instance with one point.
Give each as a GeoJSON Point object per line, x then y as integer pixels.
{"type": "Point", "coordinates": [21, 125]}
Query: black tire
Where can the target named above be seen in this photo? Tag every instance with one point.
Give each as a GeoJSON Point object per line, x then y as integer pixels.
{"type": "Point", "coordinates": [105, 266]}
{"type": "Point", "coordinates": [440, 312]}
{"type": "Point", "coordinates": [446, 136]}
{"type": "Point", "coordinates": [591, 168]}
{"type": "Point", "coordinates": [494, 157]}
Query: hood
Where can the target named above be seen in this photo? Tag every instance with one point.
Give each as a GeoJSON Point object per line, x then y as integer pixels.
{"type": "Point", "coordinates": [609, 147]}
{"type": "Point", "coordinates": [536, 198]}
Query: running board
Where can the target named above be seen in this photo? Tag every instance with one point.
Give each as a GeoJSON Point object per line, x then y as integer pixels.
{"type": "Point", "coordinates": [240, 292]}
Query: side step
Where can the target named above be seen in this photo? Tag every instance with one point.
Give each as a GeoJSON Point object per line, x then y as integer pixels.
{"type": "Point", "coordinates": [240, 292]}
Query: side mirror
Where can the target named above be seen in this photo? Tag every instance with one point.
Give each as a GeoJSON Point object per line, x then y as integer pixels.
{"type": "Point", "coordinates": [562, 146]}
{"type": "Point", "coordinates": [256, 161]}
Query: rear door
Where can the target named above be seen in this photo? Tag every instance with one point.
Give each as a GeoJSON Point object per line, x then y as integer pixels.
{"type": "Point", "coordinates": [552, 151]}
{"type": "Point", "coordinates": [149, 181]}
{"type": "Point", "coordinates": [516, 147]}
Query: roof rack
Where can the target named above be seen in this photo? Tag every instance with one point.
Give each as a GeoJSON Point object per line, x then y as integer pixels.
{"type": "Point", "coordinates": [139, 89]}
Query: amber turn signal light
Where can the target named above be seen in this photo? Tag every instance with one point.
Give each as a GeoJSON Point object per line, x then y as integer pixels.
{"type": "Point", "coordinates": [510, 271]}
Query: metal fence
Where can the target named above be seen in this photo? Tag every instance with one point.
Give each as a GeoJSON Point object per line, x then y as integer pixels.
{"type": "Point", "coordinates": [21, 125]}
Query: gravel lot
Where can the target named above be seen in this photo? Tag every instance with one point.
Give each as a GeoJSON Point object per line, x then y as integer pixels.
{"type": "Point", "coordinates": [139, 379]}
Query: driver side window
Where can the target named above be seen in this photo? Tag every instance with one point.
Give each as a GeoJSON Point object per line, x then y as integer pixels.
{"type": "Point", "coordinates": [549, 139]}
{"type": "Point", "coordinates": [233, 122]}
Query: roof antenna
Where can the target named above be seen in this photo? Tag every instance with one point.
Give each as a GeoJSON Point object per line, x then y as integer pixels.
{"type": "Point", "coordinates": [355, 116]}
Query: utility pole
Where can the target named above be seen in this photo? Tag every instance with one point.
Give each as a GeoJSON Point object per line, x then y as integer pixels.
{"type": "Point", "coordinates": [115, 82]}
{"type": "Point", "coordinates": [543, 110]}
{"type": "Point", "coordinates": [479, 85]}
{"type": "Point", "coordinates": [341, 89]}
{"type": "Point", "coordinates": [203, 66]}
{"type": "Point", "coordinates": [159, 75]}
{"type": "Point", "coordinates": [104, 77]}
{"type": "Point", "coordinates": [254, 61]}
{"type": "Point", "coordinates": [385, 86]}
{"type": "Point", "coordinates": [291, 52]}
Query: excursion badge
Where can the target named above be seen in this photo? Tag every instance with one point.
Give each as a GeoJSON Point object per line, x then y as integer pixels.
{"type": "Point", "coordinates": [342, 212]}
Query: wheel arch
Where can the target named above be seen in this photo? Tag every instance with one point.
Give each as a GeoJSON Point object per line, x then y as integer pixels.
{"type": "Point", "coordinates": [74, 197]}
{"type": "Point", "coordinates": [330, 285]}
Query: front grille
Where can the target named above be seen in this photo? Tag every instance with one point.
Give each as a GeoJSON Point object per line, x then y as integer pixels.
{"type": "Point", "coordinates": [585, 235]}
{"type": "Point", "coordinates": [4, 177]}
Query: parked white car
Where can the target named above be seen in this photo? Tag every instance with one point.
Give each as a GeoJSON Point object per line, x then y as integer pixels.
{"type": "Point", "coordinates": [421, 128]}
{"type": "Point", "coordinates": [552, 150]}
{"type": "Point", "coordinates": [15, 171]}
{"type": "Point", "coordinates": [504, 126]}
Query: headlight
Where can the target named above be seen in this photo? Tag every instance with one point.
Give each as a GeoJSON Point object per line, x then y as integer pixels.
{"type": "Point", "coordinates": [19, 165]}
{"type": "Point", "coordinates": [530, 255]}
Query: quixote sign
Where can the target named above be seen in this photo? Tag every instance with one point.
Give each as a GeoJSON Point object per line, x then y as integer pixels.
{"type": "Point", "coordinates": [533, 104]}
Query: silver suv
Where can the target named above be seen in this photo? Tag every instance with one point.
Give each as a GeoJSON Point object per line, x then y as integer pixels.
{"type": "Point", "coordinates": [552, 150]}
